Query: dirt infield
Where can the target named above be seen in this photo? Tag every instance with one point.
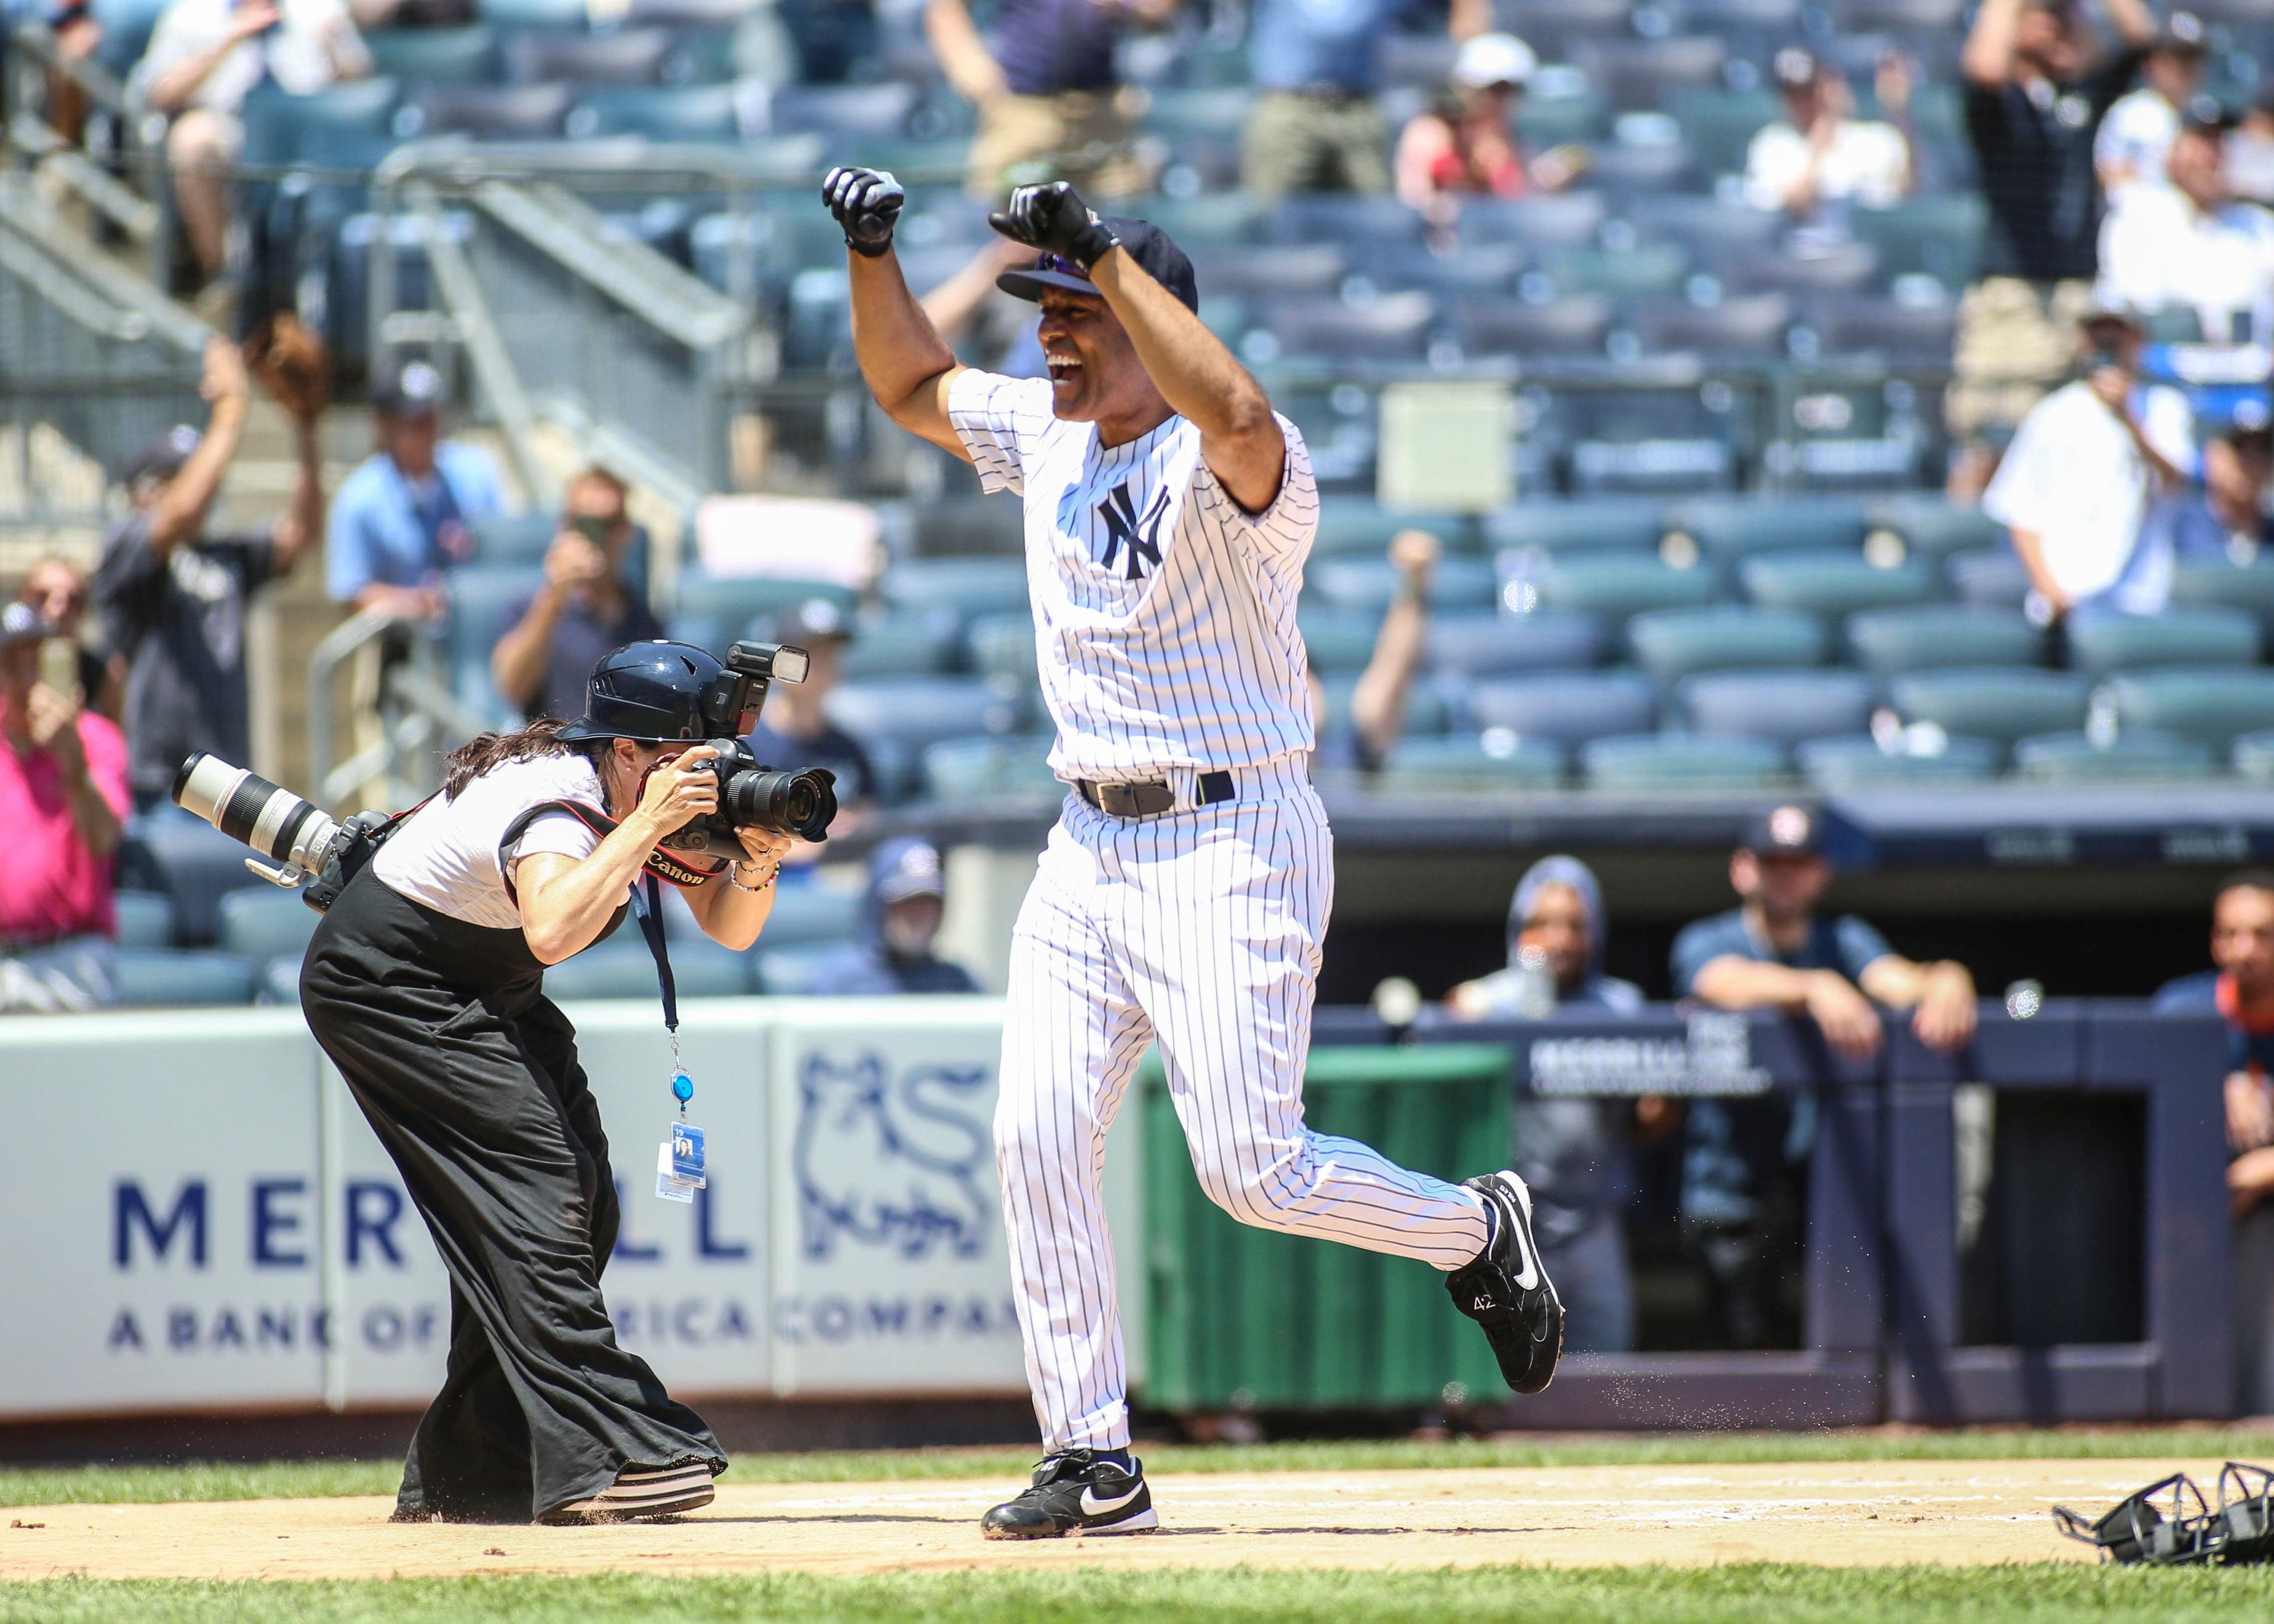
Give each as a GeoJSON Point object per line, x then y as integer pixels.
{"type": "Point", "coordinates": [1888, 1512]}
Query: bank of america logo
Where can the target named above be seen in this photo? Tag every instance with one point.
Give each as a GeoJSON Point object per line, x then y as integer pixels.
{"type": "Point", "coordinates": [1130, 536]}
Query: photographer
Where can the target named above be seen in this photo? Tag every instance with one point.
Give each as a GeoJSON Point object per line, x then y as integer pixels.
{"type": "Point", "coordinates": [425, 985]}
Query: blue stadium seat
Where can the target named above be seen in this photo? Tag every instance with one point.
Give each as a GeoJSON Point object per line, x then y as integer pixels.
{"type": "Point", "coordinates": [2254, 757]}
{"type": "Point", "coordinates": [1601, 525]}
{"type": "Point", "coordinates": [1861, 325]}
{"type": "Point", "coordinates": [2100, 643]}
{"type": "Point", "coordinates": [1709, 227]}
{"type": "Point", "coordinates": [1889, 642]}
{"type": "Point", "coordinates": [263, 922]}
{"type": "Point", "coordinates": [1787, 706]}
{"type": "Point", "coordinates": [2135, 754]}
{"type": "Point", "coordinates": [624, 56]}
{"type": "Point", "coordinates": [1494, 761]}
{"type": "Point", "coordinates": [1827, 268]}
{"type": "Point", "coordinates": [1541, 221]}
{"type": "Point", "coordinates": [1565, 707]}
{"type": "Point", "coordinates": [1616, 586]}
{"type": "Point", "coordinates": [1833, 583]}
{"type": "Point", "coordinates": [126, 28]}
{"type": "Point", "coordinates": [805, 911]}
{"type": "Point", "coordinates": [1650, 270]}
{"type": "Point", "coordinates": [1992, 578]}
{"type": "Point", "coordinates": [488, 112]}
{"type": "Point", "coordinates": [789, 972]}
{"type": "Point", "coordinates": [1486, 643]}
{"type": "Point", "coordinates": [1932, 524]}
{"type": "Point", "coordinates": [1656, 762]}
{"type": "Point", "coordinates": [1456, 583]}
{"type": "Point", "coordinates": [989, 525]}
{"type": "Point", "coordinates": [1940, 236]}
{"type": "Point", "coordinates": [714, 610]}
{"type": "Point", "coordinates": [482, 599]}
{"type": "Point", "coordinates": [914, 712]}
{"type": "Point", "coordinates": [280, 980]}
{"type": "Point", "coordinates": [148, 978]}
{"type": "Point", "coordinates": [986, 770]}
{"type": "Point", "coordinates": [1342, 217]}
{"type": "Point", "coordinates": [872, 110]}
{"type": "Point", "coordinates": [1720, 125]}
{"type": "Point", "coordinates": [1477, 269]}
{"type": "Point", "coordinates": [519, 538]}
{"type": "Point", "coordinates": [1555, 29]}
{"type": "Point", "coordinates": [1741, 327]}
{"type": "Point", "coordinates": [625, 969]}
{"type": "Point", "coordinates": [664, 112]}
{"type": "Point", "coordinates": [1564, 327]}
{"type": "Point", "coordinates": [1834, 765]}
{"type": "Point", "coordinates": [170, 850]}
{"type": "Point", "coordinates": [1003, 646]}
{"type": "Point", "coordinates": [1673, 643]}
{"type": "Point", "coordinates": [903, 642]}
{"type": "Point", "coordinates": [2211, 704]}
{"type": "Point", "coordinates": [145, 918]}
{"type": "Point", "coordinates": [1427, 708]}
{"type": "Point", "coordinates": [1271, 267]}
{"type": "Point", "coordinates": [969, 587]}
{"type": "Point", "coordinates": [1210, 109]}
{"type": "Point", "coordinates": [1729, 528]}
{"type": "Point", "coordinates": [466, 56]}
{"type": "Point", "coordinates": [1394, 326]}
{"type": "Point", "coordinates": [1999, 704]}
{"type": "Point", "coordinates": [535, 13]}
{"type": "Point", "coordinates": [1639, 73]}
{"type": "Point", "coordinates": [1357, 527]}
{"type": "Point", "coordinates": [2240, 587]}
{"type": "Point", "coordinates": [1336, 639]}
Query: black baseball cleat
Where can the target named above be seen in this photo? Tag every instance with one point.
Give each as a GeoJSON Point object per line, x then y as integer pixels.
{"type": "Point", "coordinates": [1507, 1289]}
{"type": "Point", "coordinates": [1075, 1493]}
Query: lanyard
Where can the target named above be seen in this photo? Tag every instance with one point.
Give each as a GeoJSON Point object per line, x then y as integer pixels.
{"type": "Point", "coordinates": [647, 907]}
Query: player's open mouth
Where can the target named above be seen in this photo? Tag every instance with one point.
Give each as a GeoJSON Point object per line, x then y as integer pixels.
{"type": "Point", "coordinates": [1064, 368]}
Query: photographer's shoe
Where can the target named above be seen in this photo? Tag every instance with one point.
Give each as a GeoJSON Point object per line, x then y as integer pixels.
{"type": "Point", "coordinates": [1075, 1493]}
{"type": "Point", "coordinates": [1507, 1290]}
{"type": "Point", "coordinates": [640, 1493]}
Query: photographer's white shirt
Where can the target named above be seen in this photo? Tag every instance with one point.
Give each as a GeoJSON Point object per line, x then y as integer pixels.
{"type": "Point", "coordinates": [445, 854]}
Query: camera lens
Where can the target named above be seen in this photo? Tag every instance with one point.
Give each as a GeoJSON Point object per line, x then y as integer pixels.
{"type": "Point", "coordinates": [794, 803]}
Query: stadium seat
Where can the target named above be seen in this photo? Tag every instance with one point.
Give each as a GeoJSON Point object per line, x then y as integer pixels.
{"type": "Point", "coordinates": [967, 586]}
{"type": "Point", "coordinates": [1565, 707]}
{"type": "Point", "coordinates": [1617, 587]}
{"type": "Point", "coordinates": [1940, 236]}
{"type": "Point", "coordinates": [1271, 267]}
{"type": "Point", "coordinates": [1498, 760]}
{"type": "Point", "coordinates": [1656, 762]}
{"type": "Point", "coordinates": [1358, 527]}
{"type": "Point", "coordinates": [519, 538]}
{"type": "Point", "coordinates": [1889, 642]}
{"type": "Point", "coordinates": [990, 525]}
{"type": "Point", "coordinates": [1627, 524]}
{"type": "Point", "coordinates": [1834, 765]}
{"type": "Point", "coordinates": [170, 850]}
{"type": "Point", "coordinates": [280, 980]}
{"type": "Point", "coordinates": [1567, 327]}
{"type": "Point", "coordinates": [1742, 326]}
{"type": "Point", "coordinates": [902, 642]}
{"type": "Point", "coordinates": [1554, 29]}
{"type": "Point", "coordinates": [1720, 126]}
{"type": "Point", "coordinates": [482, 599]}
{"type": "Point", "coordinates": [789, 972]}
{"type": "Point", "coordinates": [1833, 583]}
{"type": "Point", "coordinates": [980, 771]}
{"type": "Point", "coordinates": [1731, 528]}
{"type": "Point", "coordinates": [714, 610]}
{"type": "Point", "coordinates": [1394, 326]}
{"type": "Point", "coordinates": [1427, 708]}
{"type": "Point", "coordinates": [1787, 706]}
{"type": "Point", "coordinates": [2211, 704]}
{"type": "Point", "coordinates": [145, 918]}
{"type": "Point", "coordinates": [2136, 753]}
{"type": "Point", "coordinates": [1993, 578]}
{"type": "Point", "coordinates": [1369, 584]}
{"type": "Point", "coordinates": [711, 113]}
{"type": "Point", "coordinates": [1999, 704]}
{"type": "Point", "coordinates": [2213, 585]}
{"type": "Point", "coordinates": [466, 56]}
{"type": "Point", "coordinates": [1935, 525]}
{"type": "Point", "coordinates": [1672, 643]}
{"type": "Point", "coordinates": [920, 711]}
{"type": "Point", "coordinates": [1709, 226]}
{"type": "Point", "coordinates": [1861, 325]}
{"type": "Point", "coordinates": [625, 969]}
{"type": "Point", "coordinates": [2100, 643]}
{"type": "Point", "coordinates": [535, 13]}
{"type": "Point", "coordinates": [1342, 217]}
{"type": "Point", "coordinates": [2254, 756]}
{"type": "Point", "coordinates": [1486, 644]}
{"type": "Point", "coordinates": [1002, 646]}
{"type": "Point", "coordinates": [148, 978]}
{"type": "Point", "coordinates": [1651, 270]}
{"type": "Point", "coordinates": [1831, 268]}
{"type": "Point", "coordinates": [488, 112]}
{"type": "Point", "coordinates": [624, 56]}
{"type": "Point", "coordinates": [261, 922]}
{"type": "Point", "coordinates": [1488, 268]}
{"type": "Point", "coordinates": [878, 110]}
{"type": "Point", "coordinates": [805, 911]}
{"type": "Point", "coordinates": [1639, 74]}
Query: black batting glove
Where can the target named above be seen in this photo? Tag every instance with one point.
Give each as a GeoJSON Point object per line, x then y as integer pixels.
{"type": "Point", "coordinates": [866, 204]}
{"type": "Point", "coordinates": [1054, 219]}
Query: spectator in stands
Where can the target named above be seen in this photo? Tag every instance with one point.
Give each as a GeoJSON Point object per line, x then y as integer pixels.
{"type": "Point", "coordinates": [2240, 991]}
{"type": "Point", "coordinates": [585, 606]}
{"type": "Point", "coordinates": [1377, 718]}
{"type": "Point", "coordinates": [57, 590]}
{"type": "Point", "coordinates": [1819, 159]}
{"type": "Point", "coordinates": [404, 516]}
{"type": "Point", "coordinates": [205, 57]}
{"type": "Point", "coordinates": [906, 905]}
{"type": "Point", "coordinates": [62, 798]}
{"type": "Point", "coordinates": [2250, 150]}
{"type": "Point", "coordinates": [1050, 102]}
{"type": "Point", "coordinates": [2034, 99]}
{"type": "Point", "coordinates": [2190, 245]}
{"type": "Point", "coordinates": [1466, 144]}
{"type": "Point", "coordinates": [2223, 519]}
{"type": "Point", "coordinates": [174, 599]}
{"type": "Point", "coordinates": [1316, 64]}
{"type": "Point", "coordinates": [2074, 488]}
{"type": "Point", "coordinates": [795, 734]}
{"type": "Point", "coordinates": [2137, 136]}
{"type": "Point", "coordinates": [77, 33]}
{"type": "Point", "coordinates": [1576, 1156]}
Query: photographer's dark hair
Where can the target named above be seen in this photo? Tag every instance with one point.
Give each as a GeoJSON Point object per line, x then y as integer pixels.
{"type": "Point", "coordinates": [484, 751]}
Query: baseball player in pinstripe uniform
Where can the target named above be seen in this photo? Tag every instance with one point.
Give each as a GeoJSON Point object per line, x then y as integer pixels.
{"type": "Point", "coordinates": [1183, 893]}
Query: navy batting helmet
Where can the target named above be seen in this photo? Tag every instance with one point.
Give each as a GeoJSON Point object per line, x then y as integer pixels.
{"type": "Point", "coordinates": [651, 693]}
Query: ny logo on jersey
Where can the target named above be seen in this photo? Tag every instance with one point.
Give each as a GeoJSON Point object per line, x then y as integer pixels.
{"type": "Point", "coordinates": [1124, 528]}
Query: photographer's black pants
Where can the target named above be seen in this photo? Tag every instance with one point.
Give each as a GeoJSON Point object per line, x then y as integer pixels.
{"type": "Point", "coordinates": [468, 1074]}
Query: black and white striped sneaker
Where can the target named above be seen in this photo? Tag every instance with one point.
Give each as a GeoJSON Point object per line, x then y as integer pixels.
{"type": "Point", "coordinates": [642, 1491]}
{"type": "Point", "coordinates": [1075, 1493]}
{"type": "Point", "coordinates": [1507, 1290]}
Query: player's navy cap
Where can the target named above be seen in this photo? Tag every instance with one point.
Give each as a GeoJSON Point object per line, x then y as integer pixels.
{"type": "Point", "coordinates": [1787, 832]}
{"type": "Point", "coordinates": [163, 457]}
{"type": "Point", "coordinates": [1141, 240]}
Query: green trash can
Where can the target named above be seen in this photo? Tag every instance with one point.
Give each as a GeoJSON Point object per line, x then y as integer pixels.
{"type": "Point", "coordinates": [1242, 1318]}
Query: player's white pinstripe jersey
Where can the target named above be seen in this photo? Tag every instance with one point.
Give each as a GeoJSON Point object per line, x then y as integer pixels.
{"type": "Point", "coordinates": [1164, 615]}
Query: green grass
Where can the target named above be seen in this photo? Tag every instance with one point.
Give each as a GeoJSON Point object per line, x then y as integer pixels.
{"type": "Point", "coordinates": [2049, 1592]}
{"type": "Point", "coordinates": [293, 1479]}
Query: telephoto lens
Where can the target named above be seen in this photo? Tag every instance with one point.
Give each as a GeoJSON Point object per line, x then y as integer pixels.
{"type": "Point", "coordinates": [245, 806]}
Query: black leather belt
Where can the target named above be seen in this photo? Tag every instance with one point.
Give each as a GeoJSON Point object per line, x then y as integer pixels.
{"type": "Point", "coordinates": [1151, 797]}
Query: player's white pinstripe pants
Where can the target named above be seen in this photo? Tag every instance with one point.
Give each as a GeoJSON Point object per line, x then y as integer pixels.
{"type": "Point", "coordinates": [1199, 929]}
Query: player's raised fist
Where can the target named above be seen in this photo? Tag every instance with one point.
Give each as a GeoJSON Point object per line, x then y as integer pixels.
{"type": "Point", "coordinates": [866, 204]}
{"type": "Point", "coordinates": [1054, 219]}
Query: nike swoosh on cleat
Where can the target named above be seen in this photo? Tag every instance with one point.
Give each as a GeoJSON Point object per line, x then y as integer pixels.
{"type": "Point", "coordinates": [1526, 1278]}
{"type": "Point", "coordinates": [1093, 1507]}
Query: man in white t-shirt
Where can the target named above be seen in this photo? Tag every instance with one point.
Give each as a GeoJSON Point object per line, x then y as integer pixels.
{"type": "Point", "coordinates": [2137, 134]}
{"type": "Point", "coordinates": [203, 58]}
{"type": "Point", "coordinates": [1819, 159]}
{"type": "Point", "coordinates": [2190, 245]}
{"type": "Point", "coordinates": [2079, 475]}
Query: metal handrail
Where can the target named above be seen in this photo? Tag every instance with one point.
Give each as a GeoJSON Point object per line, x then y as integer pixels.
{"type": "Point", "coordinates": [431, 710]}
{"type": "Point", "coordinates": [23, 211]}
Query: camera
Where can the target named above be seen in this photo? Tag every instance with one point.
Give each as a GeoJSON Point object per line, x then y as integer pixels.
{"type": "Point", "coordinates": [752, 795]}
{"type": "Point", "coordinates": [302, 841]}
